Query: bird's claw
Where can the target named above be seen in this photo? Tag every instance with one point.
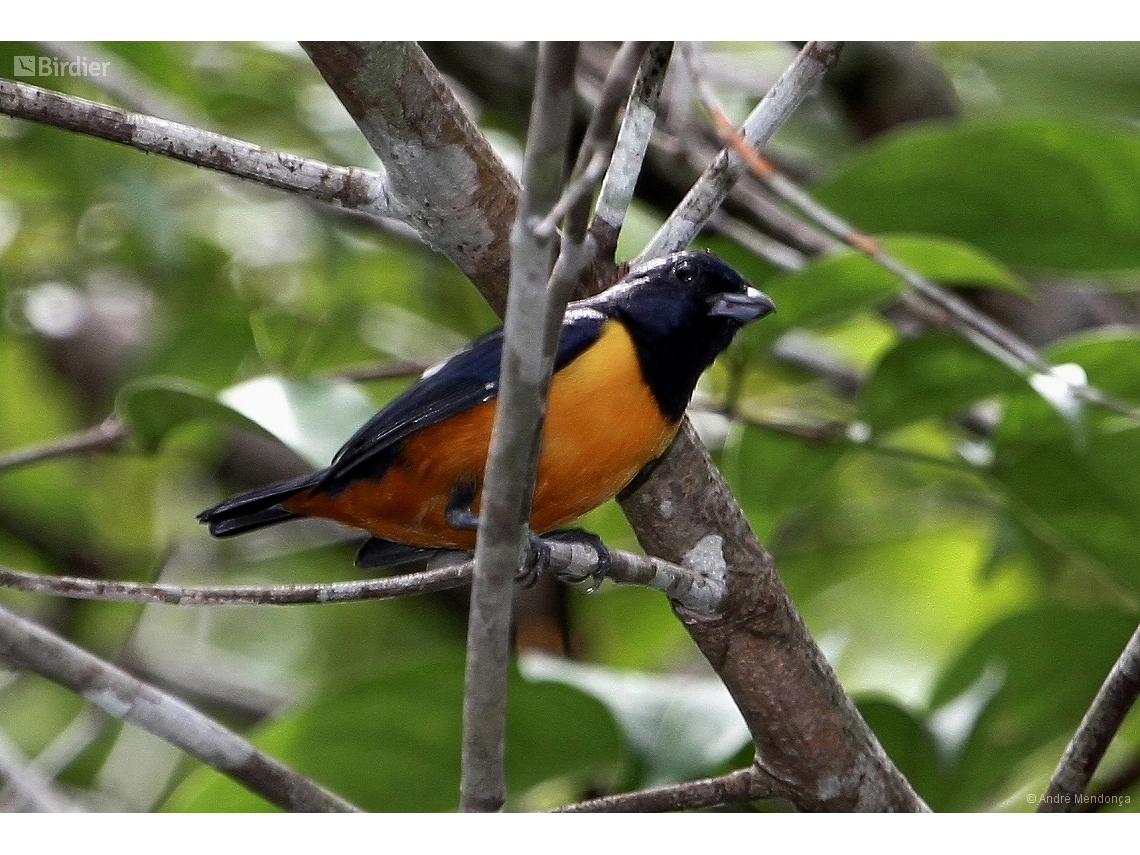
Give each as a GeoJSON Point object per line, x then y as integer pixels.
{"type": "Point", "coordinates": [602, 566]}
{"type": "Point", "coordinates": [537, 560]}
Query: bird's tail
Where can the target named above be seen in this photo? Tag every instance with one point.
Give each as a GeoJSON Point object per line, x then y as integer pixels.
{"type": "Point", "coordinates": [256, 508]}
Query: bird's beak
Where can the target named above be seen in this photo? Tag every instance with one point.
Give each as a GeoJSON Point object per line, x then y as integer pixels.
{"type": "Point", "coordinates": [742, 308]}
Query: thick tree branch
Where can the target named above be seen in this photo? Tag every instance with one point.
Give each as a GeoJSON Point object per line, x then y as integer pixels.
{"type": "Point", "coordinates": [454, 189]}
{"type": "Point", "coordinates": [1099, 725]}
{"type": "Point", "coordinates": [28, 645]}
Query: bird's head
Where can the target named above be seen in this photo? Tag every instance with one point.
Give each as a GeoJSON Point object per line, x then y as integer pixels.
{"type": "Point", "coordinates": [682, 310]}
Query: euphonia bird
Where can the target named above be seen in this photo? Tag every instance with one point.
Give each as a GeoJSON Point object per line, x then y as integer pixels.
{"type": "Point", "coordinates": [627, 363]}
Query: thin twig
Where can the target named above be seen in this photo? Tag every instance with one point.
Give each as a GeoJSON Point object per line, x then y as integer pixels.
{"type": "Point", "coordinates": [76, 587]}
{"type": "Point", "coordinates": [104, 437]}
{"type": "Point", "coordinates": [111, 433]}
{"type": "Point", "coordinates": [1097, 728]}
{"type": "Point", "coordinates": [743, 785]}
{"type": "Point", "coordinates": [27, 788]}
{"type": "Point", "coordinates": [629, 151]}
{"type": "Point", "coordinates": [600, 138]}
{"type": "Point", "coordinates": [512, 461]}
{"type": "Point", "coordinates": [779, 255]}
{"type": "Point", "coordinates": [689, 586]}
{"type": "Point", "coordinates": [981, 330]}
{"type": "Point", "coordinates": [350, 188]}
{"type": "Point", "coordinates": [710, 191]}
{"type": "Point", "coordinates": [28, 645]}
{"type": "Point", "coordinates": [61, 752]}
{"type": "Point", "coordinates": [580, 188]}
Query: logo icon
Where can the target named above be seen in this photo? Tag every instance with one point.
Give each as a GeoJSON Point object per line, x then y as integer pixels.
{"type": "Point", "coordinates": [24, 66]}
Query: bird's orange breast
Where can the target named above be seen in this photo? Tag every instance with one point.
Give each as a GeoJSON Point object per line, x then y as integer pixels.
{"type": "Point", "coordinates": [602, 426]}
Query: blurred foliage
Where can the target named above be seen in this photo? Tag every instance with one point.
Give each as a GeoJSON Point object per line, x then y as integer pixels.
{"type": "Point", "coordinates": [971, 586]}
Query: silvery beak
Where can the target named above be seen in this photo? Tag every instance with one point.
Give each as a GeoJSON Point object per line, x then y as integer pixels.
{"type": "Point", "coordinates": [742, 308]}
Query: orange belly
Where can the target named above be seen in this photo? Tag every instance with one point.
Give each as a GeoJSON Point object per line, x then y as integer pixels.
{"type": "Point", "coordinates": [602, 426]}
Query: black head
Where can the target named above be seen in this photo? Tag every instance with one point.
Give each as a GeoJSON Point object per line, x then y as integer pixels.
{"type": "Point", "coordinates": [682, 311]}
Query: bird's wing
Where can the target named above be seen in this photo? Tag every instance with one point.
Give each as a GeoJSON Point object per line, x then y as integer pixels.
{"type": "Point", "coordinates": [468, 379]}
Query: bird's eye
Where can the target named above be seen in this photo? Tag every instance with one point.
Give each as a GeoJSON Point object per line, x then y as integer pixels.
{"type": "Point", "coordinates": [685, 271]}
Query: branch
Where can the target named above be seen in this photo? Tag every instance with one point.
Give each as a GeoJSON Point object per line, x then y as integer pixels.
{"type": "Point", "coordinates": [690, 586]}
{"type": "Point", "coordinates": [1097, 728]}
{"type": "Point", "coordinates": [104, 437]}
{"type": "Point", "coordinates": [79, 588]}
{"type": "Point", "coordinates": [706, 196]}
{"type": "Point", "coordinates": [597, 143]}
{"type": "Point", "coordinates": [28, 645]}
{"type": "Point", "coordinates": [743, 785]}
{"type": "Point", "coordinates": [932, 302]}
{"type": "Point", "coordinates": [452, 186]}
{"type": "Point", "coordinates": [358, 190]}
{"type": "Point", "coordinates": [530, 340]}
{"type": "Point", "coordinates": [808, 734]}
{"type": "Point", "coordinates": [60, 753]}
{"type": "Point", "coordinates": [629, 151]}
{"type": "Point", "coordinates": [28, 788]}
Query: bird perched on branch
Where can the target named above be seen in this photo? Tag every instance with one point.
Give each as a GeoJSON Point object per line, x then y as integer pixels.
{"type": "Point", "coordinates": [627, 363]}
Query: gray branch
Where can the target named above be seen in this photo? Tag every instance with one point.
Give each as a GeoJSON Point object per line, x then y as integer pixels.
{"type": "Point", "coordinates": [530, 338]}
{"type": "Point", "coordinates": [707, 195]}
{"type": "Point", "coordinates": [1097, 728]}
{"type": "Point", "coordinates": [743, 785]}
{"type": "Point", "coordinates": [349, 188]}
{"type": "Point", "coordinates": [629, 152]}
{"type": "Point", "coordinates": [28, 645]}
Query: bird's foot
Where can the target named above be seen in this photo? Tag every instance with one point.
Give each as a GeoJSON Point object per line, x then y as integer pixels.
{"type": "Point", "coordinates": [602, 566]}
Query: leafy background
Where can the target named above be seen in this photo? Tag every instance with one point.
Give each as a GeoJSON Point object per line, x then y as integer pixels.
{"type": "Point", "coordinates": [971, 589]}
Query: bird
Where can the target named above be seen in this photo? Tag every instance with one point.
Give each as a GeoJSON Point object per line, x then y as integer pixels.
{"type": "Point", "coordinates": [626, 367]}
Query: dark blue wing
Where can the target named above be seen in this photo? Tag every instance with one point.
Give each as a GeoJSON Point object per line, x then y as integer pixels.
{"type": "Point", "coordinates": [468, 379]}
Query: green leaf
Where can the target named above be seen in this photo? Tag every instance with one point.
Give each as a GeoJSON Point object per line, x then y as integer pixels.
{"type": "Point", "coordinates": [155, 406]}
{"type": "Point", "coordinates": [311, 417]}
{"type": "Point", "coordinates": [393, 743]}
{"type": "Point", "coordinates": [1043, 667]}
{"type": "Point", "coordinates": [1039, 194]}
{"type": "Point", "coordinates": [1089, 499]}
{"type": "Point", "coordinates": [680, 726]}
{"type": "Point", "coordinates": [937, 374]}
{"type": "Point", "coordinates": [837, 286]}
{"type": "Point", "coordinates": [771, 473]}
{"type": "Point", "coordinates": [1084, 496]}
